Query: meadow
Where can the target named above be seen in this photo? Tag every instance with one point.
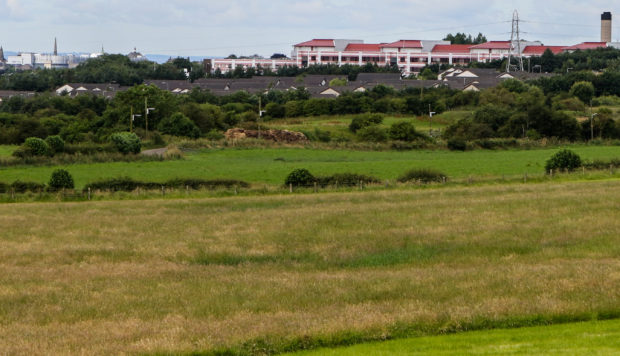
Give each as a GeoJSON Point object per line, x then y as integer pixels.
{"type": "Point", "coordinates": [257, 275]}
{"type": "Point", "coordinates": [585, 338]}
{"type": "Point", "coordinates": [272, 165]}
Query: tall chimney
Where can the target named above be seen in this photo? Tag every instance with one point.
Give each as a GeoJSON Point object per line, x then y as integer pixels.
{"type": "Point", "coordinates": [606, 27]}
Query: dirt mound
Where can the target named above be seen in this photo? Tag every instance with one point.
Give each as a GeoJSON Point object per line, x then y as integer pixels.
{"type": "Point", "coordinates": [274, 135]}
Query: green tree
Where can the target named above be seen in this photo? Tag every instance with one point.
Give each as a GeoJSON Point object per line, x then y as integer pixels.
{"type": "Point", "coordinates": [179, 125]}
{"type": "Point", "coordinates": [583, 90]}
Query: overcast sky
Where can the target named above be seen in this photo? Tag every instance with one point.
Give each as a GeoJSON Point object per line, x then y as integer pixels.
{"type": "Point", "coordinates": [244, 27]}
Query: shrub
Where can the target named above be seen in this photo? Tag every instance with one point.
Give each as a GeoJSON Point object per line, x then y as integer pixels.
{"type": "Point", "coordinates": [275, 110]}
{"type": "Point", "coordinates": [404, 131]}
{"type": "Point", "coordinates": [345, 179]}
{"type": "Point", "coordinates": [126, 142]}
{"type": "Point", "coordinates": [372, 134]}
{"type": "Point", "coordinates": [56, 144]}
{"type": "Point", "coordinates": [564, 159]}
{"type": "Point", "coordinates": [214, 135]}
{"type": "Point", "coordinates": [422, 175]}
{"type": "Point", "coordinates": [173, 152]}
{"type": "Point", "coordinates": [36, 146]}
{"type": "Point", "coordinates": [365, 120]}
{"type": "Point", "coordinates": [61, 179]}
{"type": "Point", "coordinates": [3, 187]}
{"type": "Point", "coordinates": [179, 125]}
{"type": "Point", "coordinates": [300, 177]}
{"type": "Point", "coordinates": [125, 184]}
{"type": "Point", "coordinates": [322, 135]}
{"type": "Point", "coordinates": [23, 187]}
{"type": "Point", "coordinates": [457, 144]}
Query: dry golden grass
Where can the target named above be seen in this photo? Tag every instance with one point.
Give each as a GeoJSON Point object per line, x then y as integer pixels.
{"type": "Point", "coordinates": [187, 275]}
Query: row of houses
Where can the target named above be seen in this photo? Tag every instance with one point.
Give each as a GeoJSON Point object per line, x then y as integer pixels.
{"type": "Point", "coordinates": [409, 55]}
{"type": "Point", "coordinates": [319, 86]}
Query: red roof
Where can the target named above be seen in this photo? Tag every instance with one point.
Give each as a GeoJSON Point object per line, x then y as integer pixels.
{"type": "Point", "coordinates": [586, 45]}
{"type": "Point", "coordinates": [458, 48]}
{"type": "Point", "coordinates": [539, 50]}
{"type": "Point", "coordinates": [363, 47]}
{"type": "Point", "coordinates": [403, 44]}
{"type": "Point", "coordinates": [317, 43]}
{"type": "Point", "coordinates": [493, 45]}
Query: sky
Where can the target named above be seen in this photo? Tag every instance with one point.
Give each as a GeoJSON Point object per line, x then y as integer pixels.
{"type": "Point", "coordinates": [244, 27]}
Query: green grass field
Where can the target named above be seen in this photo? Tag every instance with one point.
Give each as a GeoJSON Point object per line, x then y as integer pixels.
{"type": "Point", "coordinates": [279, 273]}
{"type": "Point", "coordinates": [586, 338]}
{"type": "Point", "coordinates": [272, 165]}
{"type": "Point", "coordinates": [339, 125]}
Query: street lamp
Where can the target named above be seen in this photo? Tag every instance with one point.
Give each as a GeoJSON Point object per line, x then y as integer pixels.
{"type": "Point", "coordinates": [430, 120]}
{"type": "Point", "coordinates": [132, 117]}
{"type": "Point", "coordinates": [147, 110]}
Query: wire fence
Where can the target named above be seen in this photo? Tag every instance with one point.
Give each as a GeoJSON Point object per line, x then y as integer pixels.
{"type": "Point", "coordinates": [163, 192]}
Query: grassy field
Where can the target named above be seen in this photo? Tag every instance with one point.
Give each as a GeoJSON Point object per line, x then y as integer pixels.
{"type": "Point", "coordinates": [272, 165]}
{"type": "Point", "coordinates": [280, 273]}
{"type": "Point", "coordinates": [588, 338]}
{"type": "Point", "coordinates": [339, 125]}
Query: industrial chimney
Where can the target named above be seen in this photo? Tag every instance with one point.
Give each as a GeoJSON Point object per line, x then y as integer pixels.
{"type": "Point", "coordinates": [606, 27]}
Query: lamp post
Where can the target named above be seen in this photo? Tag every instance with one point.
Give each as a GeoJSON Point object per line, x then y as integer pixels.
{"type": "Point", "coordinates": [592, 126]}
{"type": "Point", "coordinates": [133, 116]}
{"type": "Point", "coordinates": [430, 120]}
{"type": "Point", "coordinates": [147, 110]}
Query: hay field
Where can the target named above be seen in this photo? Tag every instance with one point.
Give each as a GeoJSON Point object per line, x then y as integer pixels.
{"type": "Point", "coordinates": [280, 273]}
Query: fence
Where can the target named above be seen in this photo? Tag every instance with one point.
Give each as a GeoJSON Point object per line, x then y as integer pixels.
{"type": "Point", "coordinates": [163, 192]}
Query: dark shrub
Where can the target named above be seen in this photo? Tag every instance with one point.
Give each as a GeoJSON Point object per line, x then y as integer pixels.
{"type": "Point", "coordinates": [22, 187]}
{"type": "Point", "coordinates": [372, 134]}
{"type": "Point", "coordinates": [4, 187]}
{"type": "Point", "coordinates": [56, 144]}
{"type": "Point", "coordinates": [61, 179]}
{"type": "Point", "coordinates": [602, 164]}
{"type": "Point", "coordinates": [275, 110]}
{"type": "Point", "coordinates": [179, 125]}
{"type": "Point", "coordinates": [124, 184]}
{"type": "Point", "coordinates": [126, 142]}
{"type": "Point", "coordinates": [214, 135]}
{"type": "Point", "coordinates": [365, 120]}
{"type": "Point", "coordinates": [37, 146]}
{"type": "Point", "coordinates": [322, 135]}
{"type": "Point", "coordinates": [404, 131]}
{"type": "Point", "coordinates": [300, 177]}
{"type": "Point", "coordinates": [456, 144]}
{"type": "Point", "coordinates": [423, 175]}
{"type": "Point", "coordinates": [209, 184]}
{"type": "Point", "coordinates": [346, 179]}
{"type": "Point", "coordinates": [564, 159]}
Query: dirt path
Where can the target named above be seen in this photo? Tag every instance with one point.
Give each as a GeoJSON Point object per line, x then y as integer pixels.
{"type": "Point", "coordinates": [155, 152]}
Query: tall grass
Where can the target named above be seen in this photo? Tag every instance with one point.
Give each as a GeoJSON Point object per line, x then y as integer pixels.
{"type": "Point", "coordinates": [278, 273]}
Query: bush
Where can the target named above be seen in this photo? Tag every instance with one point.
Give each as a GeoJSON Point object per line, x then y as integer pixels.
{"type": "Point", "coordinates": [365, 120]}
{"type": "Point", "coordinates": [61, 179]}
{"type": "Point", "coordinates": [179, 125]}
{"type": "Point", "coordinates": [56, 144]}
{"type": "Point", "coordinates": [404, 131]}
{"type": "Point", "coordinates": [126, 184]}
{"type": "Point", "coordinates": [345, 179]}
{"type": "Point", "coordinates": [36, 146]}
{"type": "Point", "coordinates": [300, 177]}
{"type": "Point", "coordinates": [23, 187]}
{"type": "Point", "coordinates": [126, 142]}
{"type": "Point", "coordinates": [4, 187]}
{"type": "Point", "coordinates": [422, 175]}
{"type": "Point", "coordinates": [457, 144]}
{"type": "Point", "coordinates": [564, 159]}
{"type": "Point", "coordinates": [275, 110]}
{"type": "Point", "coordinates": [214, 135]}
{"type": "Point", "coordinates": [372, 134]}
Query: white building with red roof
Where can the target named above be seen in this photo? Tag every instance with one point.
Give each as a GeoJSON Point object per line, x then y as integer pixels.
{"type": "Point", "coordinates": [410, 56]}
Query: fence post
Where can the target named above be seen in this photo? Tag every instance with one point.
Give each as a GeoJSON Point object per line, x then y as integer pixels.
{"type": "Point", "coordinates": [163, 191]}
{"type": "Point", "coordinates": [583, 170]}
{"type": "Point", "coordinates": [551, 172]}
{"type": "Point", "coordinates": [12, 193]}
{"type": "Point", "coordinates": [336, 184]}
{"type": "Point", "coordinates": [290, 187]}
{"type": "Point", "coordinates": [315, 189]}
{"type": "Point", "coordinates": [236, 190]}
{"type": "Point", "coordinates": [611, 169]}
{"type": "Point", "coordinates": [89, 193]}
{"type": "Point", "coordinates": [525, 178]}
{"type": "Point", "coordinates": [187, 189]}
